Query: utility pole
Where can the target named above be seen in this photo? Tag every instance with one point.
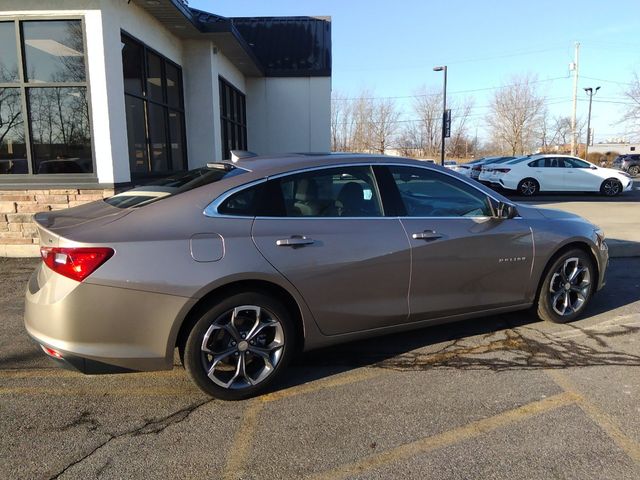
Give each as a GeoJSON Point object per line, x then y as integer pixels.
{"type": "Point", "coordinates": [591, 92]}
{"type": "Point", "coordinates": [574, 133]}
{"type": "Point", "coordinates": [444, 111]}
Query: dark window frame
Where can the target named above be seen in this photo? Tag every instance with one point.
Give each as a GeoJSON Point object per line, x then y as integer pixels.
{"type": "Point", "coordinates": [23, 85]}
{"type": "Point", "coordinates": [230, 124]}
{"type": "Point", "coordinates": [165, 105]}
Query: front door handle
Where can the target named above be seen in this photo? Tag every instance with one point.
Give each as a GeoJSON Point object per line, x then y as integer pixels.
{"type": "Point", "coordinates": [295, 241]}
{"type": "Point", "coordinates": [427, 235]}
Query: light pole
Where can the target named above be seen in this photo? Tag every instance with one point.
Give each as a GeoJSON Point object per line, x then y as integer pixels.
{"type": "Point", "coordinates": [444, 110]}
{"type": "Point", "coordinates": [591, 92]}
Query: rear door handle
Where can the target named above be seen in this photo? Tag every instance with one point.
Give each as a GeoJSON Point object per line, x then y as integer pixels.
{"type": "Point", "coordinates": [295, 241]}
{"type": "Point", "coordinates": [426, 235]}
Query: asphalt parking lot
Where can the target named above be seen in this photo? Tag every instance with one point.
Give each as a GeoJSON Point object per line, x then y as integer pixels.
{"type": "Point", "coordinates": [497, 397]}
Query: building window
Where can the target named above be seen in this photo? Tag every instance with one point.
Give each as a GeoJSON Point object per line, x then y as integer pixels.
{"type": "Point", "coordinates": [155, 111]}
{"type": "Point", "coordinates": [233, 118]}
{"type": "Point", "coordinates": [44, 106]}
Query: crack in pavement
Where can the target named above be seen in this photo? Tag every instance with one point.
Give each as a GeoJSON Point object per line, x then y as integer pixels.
{"type": "Point", "coordinates": [151, 426]}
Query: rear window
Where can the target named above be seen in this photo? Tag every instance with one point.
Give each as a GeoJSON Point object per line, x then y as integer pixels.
{"type": "Point", "coordinates": [174, 185]}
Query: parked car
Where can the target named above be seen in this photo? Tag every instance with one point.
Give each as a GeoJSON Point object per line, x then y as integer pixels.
{"type": "Point", "coordinates": [241, 265]}
{"type": "Point", "coordinates": [451, 165]}
{"type": "Point", "coordinates": [476, 168]}
{"type": "Point", "coordinates": [488, 167]}
{"type": "Point", "coordinates": [559, 173]}
{"type": "Point", "coordinates": [628, 163]}
{"type": "Point", "coordinates": [488, 172]}
{"type": "Point", "coordinates": [465, 168]}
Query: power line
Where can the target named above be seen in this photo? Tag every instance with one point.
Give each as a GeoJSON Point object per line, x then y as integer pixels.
{"type": "Point", "coordinates": [422, 95]}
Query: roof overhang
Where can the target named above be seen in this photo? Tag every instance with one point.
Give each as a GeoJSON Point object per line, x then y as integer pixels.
{"type": "Point", "coordinates": [177, 18]}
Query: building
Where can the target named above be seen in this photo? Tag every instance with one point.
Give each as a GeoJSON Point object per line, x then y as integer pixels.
{"type": "Point", "coordinates": [96, 95]}
{"type": "Point", "coordinates": [619, 148]}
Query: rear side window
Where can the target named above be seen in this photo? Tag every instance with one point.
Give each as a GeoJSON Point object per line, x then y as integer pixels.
{"type": "Point", "coordinates": [242, 203]}
{"type": "Point", "coordinates": [332, 192]}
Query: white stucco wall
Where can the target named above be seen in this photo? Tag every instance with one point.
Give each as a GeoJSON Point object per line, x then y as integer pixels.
{"type": "Point", "coordinates": [117, 16]}
{"type": "Point", "coordinates": [288, 114]}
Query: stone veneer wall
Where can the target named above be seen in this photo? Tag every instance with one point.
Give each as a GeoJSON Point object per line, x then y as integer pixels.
{"type": "Point", "coordinates": [18, 234]}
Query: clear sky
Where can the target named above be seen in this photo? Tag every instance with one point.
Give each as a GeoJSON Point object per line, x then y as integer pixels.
{"type": "Point", "coordinates": [390, 48]}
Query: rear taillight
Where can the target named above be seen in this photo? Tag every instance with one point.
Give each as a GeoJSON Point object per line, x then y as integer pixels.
{"type": "Point", "coordinates": [502, 170]}
{"type": "Point", "coordinates": [75, 263]}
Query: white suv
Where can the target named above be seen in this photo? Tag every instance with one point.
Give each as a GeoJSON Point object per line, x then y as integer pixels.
{"type": "Point", "coordinates": [558, 173]}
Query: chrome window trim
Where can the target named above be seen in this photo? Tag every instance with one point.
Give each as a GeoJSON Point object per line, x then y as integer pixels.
{"type": "Point", "coordinates": [211, 210]}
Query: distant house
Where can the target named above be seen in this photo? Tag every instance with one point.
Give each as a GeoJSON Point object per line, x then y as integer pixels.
{"type": "Point", "coordinates": [96, 94]}
{"type": "Point", "coordinates": [619, 148]}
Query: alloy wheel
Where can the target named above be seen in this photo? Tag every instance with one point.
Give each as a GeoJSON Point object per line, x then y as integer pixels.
{"type": "Point", "coordinates": [611, 187]}
{"type": "Point", "coordinates": [242, 347]}
{"type": "Point", "coordinates": [528, 187]}
{"type": "Point", "coordinates": [569, 287]}
{"type": "Point", "coordinates": [634, 171]}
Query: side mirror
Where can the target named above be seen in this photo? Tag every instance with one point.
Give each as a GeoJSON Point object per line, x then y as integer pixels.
{"type": "Point", "coordinates": [505, 210]}
{"type": "Point", "coordinates": [593, 167]}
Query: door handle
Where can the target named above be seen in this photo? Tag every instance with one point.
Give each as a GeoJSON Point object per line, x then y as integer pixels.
{"type": "Point", "coordinates": [426, 235]}
{"type": "Point", "coordinates": [294, 241]}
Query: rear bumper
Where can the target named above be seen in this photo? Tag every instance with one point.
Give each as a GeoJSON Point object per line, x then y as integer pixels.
{"type": "Point", "coordinates": [101, 329]}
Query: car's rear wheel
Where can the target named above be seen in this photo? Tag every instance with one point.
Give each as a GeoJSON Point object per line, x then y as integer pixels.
{"type": "Point", "coordinates": [634, 170]}
{"type": "Point", "coordinates": [567, 287]}
{"type": "Point", "coordinates": [611, 187]}
{"type": "Point", "coordinates": [240, 346]}
{"type": "Point", "coordinates": [528, 187]}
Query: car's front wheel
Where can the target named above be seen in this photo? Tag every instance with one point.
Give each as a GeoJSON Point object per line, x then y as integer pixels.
{"type": "Point", "coordinates": [634, 170]}
{"type": "Point", "coordinates": [611, 187]}
{"type": "Point", "coordinates": [567, 287]}
{"type": "Point", "coordinates": [240, 346]}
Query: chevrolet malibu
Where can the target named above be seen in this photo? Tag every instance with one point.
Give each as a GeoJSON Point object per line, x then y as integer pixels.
{"type": "Point", "coordinates": [239, 265]}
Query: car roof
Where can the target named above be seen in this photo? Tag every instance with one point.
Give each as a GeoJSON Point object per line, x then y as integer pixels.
{"type": "Point", "coordinates": [268, 165]}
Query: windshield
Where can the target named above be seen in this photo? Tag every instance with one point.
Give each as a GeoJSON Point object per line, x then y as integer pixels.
{"type": "Point", "coordinates": [174, 185]}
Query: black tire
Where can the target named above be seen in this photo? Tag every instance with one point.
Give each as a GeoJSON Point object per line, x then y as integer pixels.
{"type": "Point", "coordinates": [528, 187]}
{"type": "Point", "coordinates": [634, 170]}
{"type": "Point", "coordinates": [611, 187]}
{"type": "Point", "coordinates": [196, 360]}
{"type": "Point", "coordinates": [554, 287]}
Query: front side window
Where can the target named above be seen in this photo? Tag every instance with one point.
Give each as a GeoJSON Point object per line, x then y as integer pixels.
{"type": "Point", "coordinates": [427, 193]}
{"type": "Point", "coordinates": [333, 192]}
{"type": "Point", "coordinates": [154, 109]}
{"type": "Point", "coordinates": [575, 163]}
{"type": "Point", "coordinates": [44, 106]}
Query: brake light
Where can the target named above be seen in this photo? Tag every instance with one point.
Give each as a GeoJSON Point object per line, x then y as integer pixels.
{"type": "Point", "coordinates": [75, 263]}
{"type": "Point", "coordinates": [502, 170]}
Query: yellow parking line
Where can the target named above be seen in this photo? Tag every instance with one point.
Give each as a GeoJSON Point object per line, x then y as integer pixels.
{"type": "Point", "coordinates": [99, 391]}
{"type": "Point", "coordinates": [239, 449]}
{"type": "Point", "coordinates": [600, 418]}
{"type": "Point", "coordinates": [447, 438]}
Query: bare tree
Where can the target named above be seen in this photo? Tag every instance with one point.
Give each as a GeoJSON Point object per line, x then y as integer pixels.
{"type": "Point", "coordinates": [515, 115]}
{"type": "Point", "coordinates": [384, 125]}
{"type": "Point", "coordinates": [458, 143]}
{"type": "Point", "coordinates": [632, 111]}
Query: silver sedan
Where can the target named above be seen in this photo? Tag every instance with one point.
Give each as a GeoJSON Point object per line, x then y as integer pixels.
{"type": "Point", "coordinates": [239, 265]}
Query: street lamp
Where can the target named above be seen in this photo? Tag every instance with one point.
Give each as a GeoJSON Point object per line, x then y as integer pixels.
{"type": "Point", "coordinates": [444, 110]}
{"type": "Point", "coordinates": [591, 92]}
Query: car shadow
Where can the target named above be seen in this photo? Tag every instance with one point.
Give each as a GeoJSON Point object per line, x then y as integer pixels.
{"type": "Point", "coordinates": [514, 341]}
